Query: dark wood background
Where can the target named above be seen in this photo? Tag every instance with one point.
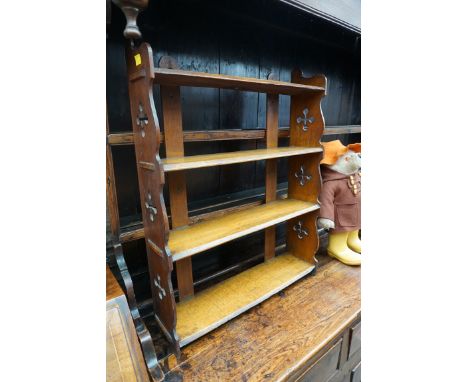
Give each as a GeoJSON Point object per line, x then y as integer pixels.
{"type": "Point", "coordinates": [244, 38]}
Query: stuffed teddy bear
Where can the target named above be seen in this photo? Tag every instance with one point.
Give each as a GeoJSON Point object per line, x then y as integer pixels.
{"type": "Point", "coordinates": [340, 200]}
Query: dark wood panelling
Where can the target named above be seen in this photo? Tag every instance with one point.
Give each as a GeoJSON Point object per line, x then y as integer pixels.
{"type": "Point", "coordinates": [344, 13]}
{"type": "Point", "coordinates": [126, 182]}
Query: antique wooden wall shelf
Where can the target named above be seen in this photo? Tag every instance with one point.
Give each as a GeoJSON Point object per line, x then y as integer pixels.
{"type": "Point", "coordinates": [196, 314]}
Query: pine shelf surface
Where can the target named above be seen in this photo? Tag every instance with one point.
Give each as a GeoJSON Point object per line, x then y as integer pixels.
{"type": "Point", "coordinates": [213, 307]}
{"type": "Point", "coordinates": [200, 161]}
{"type": "Point", "coordinates": [189, 240]}
{"type": "Point", "coordinates": [174, 77]}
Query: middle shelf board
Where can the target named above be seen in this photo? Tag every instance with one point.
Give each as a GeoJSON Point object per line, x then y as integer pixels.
{"type": "Point", "coordinates": [174, 77]}
{"type": "Point", "coordinates": [226, 300]}
{"type": "Point", "coordinates": [219, 159]}
{"type": "Point", "coordinates": [187, 241]}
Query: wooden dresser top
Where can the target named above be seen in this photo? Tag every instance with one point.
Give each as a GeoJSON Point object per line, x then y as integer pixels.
{"type": "Point", "coordinates": [274, 340]}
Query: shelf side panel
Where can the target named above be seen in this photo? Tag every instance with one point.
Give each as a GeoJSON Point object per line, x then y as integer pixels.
{"type": "Point", "coordinates": [302, 238]}
{"type": "Point", "coordinates": [304, 180]}
{"type": "Point", "coordinates": [306, 122]}
{"type": "Point", "coordinates": [147, 139]}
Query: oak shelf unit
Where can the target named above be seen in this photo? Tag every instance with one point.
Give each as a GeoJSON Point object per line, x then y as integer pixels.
{"type": "Point", "coordinates": [196, 314]}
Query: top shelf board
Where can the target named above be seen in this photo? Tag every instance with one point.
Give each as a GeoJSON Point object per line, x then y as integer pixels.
{"type": "Point", "coordinates": [200, 79]}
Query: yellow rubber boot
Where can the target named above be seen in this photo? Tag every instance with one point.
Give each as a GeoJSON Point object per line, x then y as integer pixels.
{"type": "Point", "coordinates": [354, 242]}
{"type": "Point", "coordinates": [338, 248]}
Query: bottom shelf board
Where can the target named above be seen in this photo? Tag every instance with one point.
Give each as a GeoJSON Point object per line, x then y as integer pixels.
{"type": "Point", "coordinates": [218, 304]}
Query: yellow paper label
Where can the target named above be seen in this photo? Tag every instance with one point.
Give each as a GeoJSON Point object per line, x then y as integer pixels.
{"type": "Point", "coordinates": [137, 59]}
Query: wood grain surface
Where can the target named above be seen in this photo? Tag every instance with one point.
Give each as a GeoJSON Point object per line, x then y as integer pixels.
{"type": "Point", "coordinates": [312, 106]}
{"type": "Point", "coordinates": [172, 114]}
{"type": "Point", "coordinates": [220, 303]}
{"type": "Point", "coordinates": [124, 360]}
{"type": "Point", "coordinates": [279, 338]}
{"type": "Point", "coordinates": [310, 190]}
{"type": "Point", "coordinates": [111, 192]}
{"type": "Point", "coordinates": [304, 248]}
{"type": "Point", "coordinates": [119, 365]}
{"type": "Point", "coordinates": [271, 167]}
{"type": "Point", "coordinates": [137, 232]}
{"type": "Point", "coordinates": [307, 123]}
{"type": "Point", "coordinates": [209, 80]}
{"type": "Point", "coordinates": [218, 159]}
{"type": "Point", "coordinates": [146, 134]}
{"type": "Point", "coordinates": [113, 288]}
{"type": "Point", "coordinates": [126, 138]}
{"type": "Point", "coordinates": [196, 238]}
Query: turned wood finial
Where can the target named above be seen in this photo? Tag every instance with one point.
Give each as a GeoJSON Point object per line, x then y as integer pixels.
{"type": "Point", "coordinates": [131, 9]}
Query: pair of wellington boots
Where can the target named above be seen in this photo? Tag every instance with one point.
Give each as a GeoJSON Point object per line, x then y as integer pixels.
{"type": "Point", "coordinates": [345, 247]}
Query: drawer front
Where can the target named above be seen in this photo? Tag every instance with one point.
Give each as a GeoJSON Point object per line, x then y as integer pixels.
{"type": "Point", "coordinates": [325, 367]}
{"type": "Point", "coordinates": [356, 373]}
{"type": "Point", "coordinates": [355, 339]}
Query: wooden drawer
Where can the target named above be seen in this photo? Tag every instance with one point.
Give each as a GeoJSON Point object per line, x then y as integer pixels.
{"type": "Point", "coordinates": [356, 373]}
{"type": "Point", "coordinates": [354, 339]}
{"type": "Point", "coordinates": [325, 367]}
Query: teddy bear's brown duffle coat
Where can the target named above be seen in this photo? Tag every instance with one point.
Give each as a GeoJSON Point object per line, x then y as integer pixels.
{"type": "Point", "coordinates": [340, 199]}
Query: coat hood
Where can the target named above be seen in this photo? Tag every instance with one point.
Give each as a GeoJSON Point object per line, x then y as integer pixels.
{"type": "Point", "coordinates": [334, 149]}
{"type": "Point", "coordinates": [329, 174]}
